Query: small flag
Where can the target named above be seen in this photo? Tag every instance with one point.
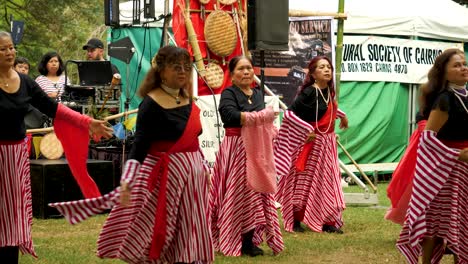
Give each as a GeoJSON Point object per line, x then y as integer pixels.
{"type": "Point", "coordinates": [119, 131]}
{"type": "Point", "coordinates": [130, 122]}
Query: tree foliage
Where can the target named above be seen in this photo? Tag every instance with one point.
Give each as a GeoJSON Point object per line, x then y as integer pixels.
{"type": "Point", "coordinates": [60, 25]}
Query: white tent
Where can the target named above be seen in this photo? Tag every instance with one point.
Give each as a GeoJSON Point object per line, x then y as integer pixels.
{"type": "Point", "coordinates": [437, 19]}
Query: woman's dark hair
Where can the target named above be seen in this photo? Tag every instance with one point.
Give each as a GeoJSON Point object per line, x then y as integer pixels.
{"type": "Point", "coordinates": [309, 80]}
{"type": "Point", "coordinates": [436, 81]}
{"type": "Point", "coordinates": [166, 56]}
{"type": "Point", "coordinates": [42, 66]}
{"type": "Point", "coordinates": [233, 62]}
{"type": "Point", "coordinates": [21, 60]}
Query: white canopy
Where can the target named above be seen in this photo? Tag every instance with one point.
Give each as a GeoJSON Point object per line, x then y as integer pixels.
{"type": "Point", "coordinates": [437, 19]}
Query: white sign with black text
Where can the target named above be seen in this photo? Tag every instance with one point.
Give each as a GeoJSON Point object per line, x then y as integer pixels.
{"type": "Point", "coordinates": [370, 58]}
{"type": "Point", "coordinates": [213, 131]}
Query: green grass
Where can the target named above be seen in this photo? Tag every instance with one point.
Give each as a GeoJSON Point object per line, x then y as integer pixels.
{"type": "Point", "coordinates": [368, 238]}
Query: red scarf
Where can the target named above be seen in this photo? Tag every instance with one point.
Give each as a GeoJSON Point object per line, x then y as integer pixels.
{"type": "Point", "coordinates": [188, 142]}
{"type": "Point", "coordinates": [325, 125]}
{"type": "Point", "coordinates": [72, 129]}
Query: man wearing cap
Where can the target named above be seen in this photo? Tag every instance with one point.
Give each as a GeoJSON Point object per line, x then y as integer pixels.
{"type": "Point", "coordinates": [95, 51]}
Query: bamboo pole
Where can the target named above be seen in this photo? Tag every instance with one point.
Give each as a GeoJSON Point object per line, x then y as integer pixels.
{"type": "Point", "coordinates": [300, 13]}
{"type": "Point", "coordinates": [50, 129]}
{"type": "Point", "coordinates": [121, 114]}
{"type": "Point", "coordinates": [339, 49]}
{"type": "Point", "coordinates": [357, 166]}
{"type": "Point", "coordinates": [192, 37]}
{"type": "Point", "coordinates": [39, 130]}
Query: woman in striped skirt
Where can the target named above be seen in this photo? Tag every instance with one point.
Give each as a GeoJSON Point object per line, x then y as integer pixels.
{"type": "Point", "coordinates": [306, 155]}
{"type": "Point", "coordinates": [162, 215]}
{"type": "Point", "coordinates": [17, 93]}
{"type": "Point", "coordinates": [240, 214]}
{"type": "Point", "coordinates": [437, 213]}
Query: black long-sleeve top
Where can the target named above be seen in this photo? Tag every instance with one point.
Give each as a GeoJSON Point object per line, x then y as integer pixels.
{"type": "Point", "coordinates": [155, 123]}
{"type": "Point", "coordinates": [14, 106]}
{"type": "Point", "coordinates": [305, 104]}
{"type": "Point", "coordinates": [233, 101]}
{"type": "Point", "coordinates": [456, 127]}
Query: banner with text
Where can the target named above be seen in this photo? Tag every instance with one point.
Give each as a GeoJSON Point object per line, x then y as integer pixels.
{"type": "Point", "coordinates": [213, 131]}
{"type": "Point", "coordinates": [369, 58]}
{"type": "Point", "coordinates": [285, 71]}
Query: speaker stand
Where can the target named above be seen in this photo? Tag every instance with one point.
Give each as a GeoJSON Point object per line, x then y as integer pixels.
{"type": "Point", "coordinates": [262, 73]}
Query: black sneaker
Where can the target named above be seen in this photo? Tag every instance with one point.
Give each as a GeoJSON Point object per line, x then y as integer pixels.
{"type": "Point", "coordinates": [252, 251]}
{"type": "Point", "coordinates": [331, 229]}
{"type": "Point", "coordinates": [297, 227]}
{"type": "Point", "coordinates": [448, 251]}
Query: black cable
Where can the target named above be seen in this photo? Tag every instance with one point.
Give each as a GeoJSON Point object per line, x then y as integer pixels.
{"type": "Point", "coordinates": [216, 107]}
{"type": "Point", "coordinates": [141, 60]}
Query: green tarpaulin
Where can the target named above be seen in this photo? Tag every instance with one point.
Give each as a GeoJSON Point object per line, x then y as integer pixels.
{"type": "Point", "coordinates": [381, 111]}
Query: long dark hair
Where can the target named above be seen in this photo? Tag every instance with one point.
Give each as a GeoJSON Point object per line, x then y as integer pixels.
{"type": "Point", "coordinates": [42, 66]}
{"type": "Point", "coordinates": [436, 81]}
{"type": "Point", "coordinates": [309, 80]}
{"type": "Point", "coordinates": [166, 56]}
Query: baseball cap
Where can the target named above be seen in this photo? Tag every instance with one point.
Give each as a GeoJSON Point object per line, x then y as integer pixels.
{"type": "Point", "coordinates": [93, 43]}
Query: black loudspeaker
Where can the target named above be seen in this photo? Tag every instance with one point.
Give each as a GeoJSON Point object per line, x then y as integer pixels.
{"type": "Point", "coordinates": [148, 9]}
{"type": "Point", "coordinates": [268, 24]}
{"type": "Point", "coordinates": [111, 12]}
{"type": "Point", "coordinates": [52, 181]}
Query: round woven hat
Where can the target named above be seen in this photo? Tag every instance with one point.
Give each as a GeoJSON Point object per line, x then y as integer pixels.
{"type": "Point", "coordinates": [227, 2]}
{"type": "Point", "coordinates": [51, 147]}
{"type": "Point", "coordinates": [220, 33]}
{"type": "Point", "coordinates": [214, 75]}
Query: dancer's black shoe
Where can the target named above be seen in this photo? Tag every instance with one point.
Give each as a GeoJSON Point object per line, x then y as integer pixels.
{"type": "Point", "coordinates": [297, 227]}
{"type": "Point", "coordinates": [331, 229]}
{"type": "Point", "coordinates": [252, 251]}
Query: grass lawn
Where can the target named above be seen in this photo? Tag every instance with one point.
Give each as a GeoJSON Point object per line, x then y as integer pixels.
{"type": "Point", "coordinates": [368, 238]}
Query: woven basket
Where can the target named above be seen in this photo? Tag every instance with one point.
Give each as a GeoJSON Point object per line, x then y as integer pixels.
{"type": "Point", "coordinates": [227, 2]}
{"type": "Point", "coordinates": [51, 147]}
{"type": "Point", "coordinates": [214, 75]}
{"type": "Point", "coordinates": [220, 33]}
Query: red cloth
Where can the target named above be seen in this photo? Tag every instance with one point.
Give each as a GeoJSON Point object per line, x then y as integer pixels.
{"type": "Point", "coordinates": [181, 38]}
{"type": "Point", "coordinates": [323, 124]}
{"type": "Point", "coordinates": [187, 142]}
{"type": "Point", "coordinates": [29, 142]}
{"type": "Point", "coordinates": [399, 189]}
{"type": "Point", "coordinates": [72, 129]}
{"type": "Point", "coordinates": [257, 135]}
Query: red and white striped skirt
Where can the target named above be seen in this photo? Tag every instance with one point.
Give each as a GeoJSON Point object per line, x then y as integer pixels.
{"type": "Point", "coordinates": [15, 198]}
{"type": "Point", "coordinates": [235, 209]}
{"type": "Point", "coordinates": [316, 190]}
{"type": "Point", "coordinates": [127, 233]}
{"type": "Point", "coordinates": [439, 202]}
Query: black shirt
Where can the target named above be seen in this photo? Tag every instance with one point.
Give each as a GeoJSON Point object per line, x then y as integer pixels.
{"type": "Point", "coordinates": [456, 127]}
{"type": "Point", "coordinates": [14, 106]}
{"type": "Point", "coordinates": [233, 101]}
{"type": "Point", "coordinates": [305, 104]}
{"type": "Point", "coordinates": [155, 123]}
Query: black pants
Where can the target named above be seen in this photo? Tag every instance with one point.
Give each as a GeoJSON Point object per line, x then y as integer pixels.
{"type": "Point", "coordinates": [9, 255]}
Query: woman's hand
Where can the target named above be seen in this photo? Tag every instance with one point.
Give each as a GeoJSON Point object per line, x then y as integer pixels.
{"type": "Point", "coordinates": [463, 155]}
{"type": "Point", "coordinates": [98, 129]}
{"type": "Point", "coordinates": [124, 194]}
{"type": "Point", "coordinates": [311, 137]}
{"type": "Point", "coordinates": [344, 122]}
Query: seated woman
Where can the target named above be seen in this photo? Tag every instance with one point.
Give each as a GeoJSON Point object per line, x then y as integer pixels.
{"type": "Point", "coordinates": [51, 80]}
